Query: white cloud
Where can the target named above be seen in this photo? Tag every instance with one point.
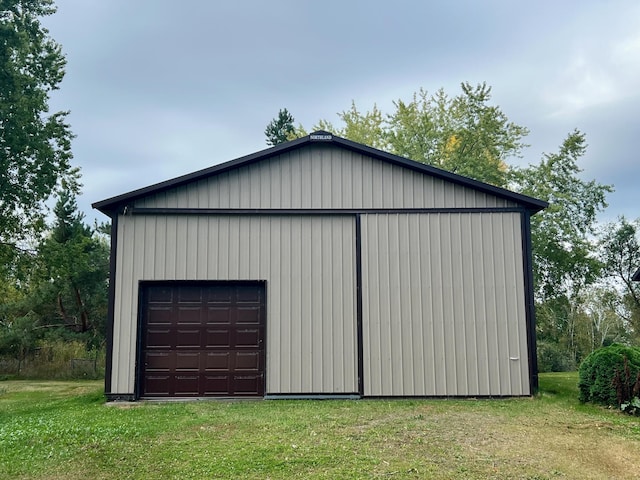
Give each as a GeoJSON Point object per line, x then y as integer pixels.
{"type": "Point", "coordinates": [602, 66]}
{"type": "Point", "coordinates": [625, 56]}
{"type": "Point", "coordinates": [583, 84]}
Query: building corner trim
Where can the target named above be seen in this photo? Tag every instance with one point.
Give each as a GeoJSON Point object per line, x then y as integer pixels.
{"type": "Point", "coordinates": [530, 307]}
{"type": "Point", "coordinates": [111, 304]}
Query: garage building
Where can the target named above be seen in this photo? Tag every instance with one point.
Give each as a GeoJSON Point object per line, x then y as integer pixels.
{"type": "Point", "coordinates": [320, 268]}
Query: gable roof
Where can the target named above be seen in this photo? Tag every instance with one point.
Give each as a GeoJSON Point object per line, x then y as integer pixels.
{"type": "Point", "coordinates": [113, 204]}
{"type": "Point", "coordinates": [636, 276]}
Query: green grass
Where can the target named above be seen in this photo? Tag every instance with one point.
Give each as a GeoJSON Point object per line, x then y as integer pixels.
{"type": "Point", "coordinates": [64, 430]}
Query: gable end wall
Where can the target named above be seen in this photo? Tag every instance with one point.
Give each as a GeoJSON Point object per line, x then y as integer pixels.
{"type": "Point", "coordinates": [322, 177]}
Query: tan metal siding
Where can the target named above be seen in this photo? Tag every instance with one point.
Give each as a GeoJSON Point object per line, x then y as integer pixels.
{"type": "Point", "coordinates": [326, 177]}
{"type": "Point", "coordinates": [443, 305]}
{"type": "Point", "coordinates": [309, 266]}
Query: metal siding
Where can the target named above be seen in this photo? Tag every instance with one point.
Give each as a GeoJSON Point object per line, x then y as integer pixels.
{"type": "Point", "coordinates": [124, 331]}
{"type": "Point", "coordinates": [443, 305]}
{"type": "Point", "coordinates": [309, 266]}
{"type": "Point", "coordinates": [323, 177]}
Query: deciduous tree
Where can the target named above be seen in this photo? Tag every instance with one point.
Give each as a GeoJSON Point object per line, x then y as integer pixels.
{"type": "Point", "coordinates": [367, 128]}
{"type": "Point", "coordinates": [564, 250]}
{"type": "Point", "coordinates": [35, 145]}
{"type": "Point", "coordinates": [620, 252]}
{"type": "Point", "coordinates": [464, 134]}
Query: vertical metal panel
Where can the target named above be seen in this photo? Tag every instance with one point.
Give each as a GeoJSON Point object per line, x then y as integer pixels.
{"type": "Point", "coordinates": [124, 331]}
{"type": "Point", "coordinates": [443, 305]}
{"type": "Point", "coordinates": [322, 176]}
{"type": "Point", "coordinates": [309, 266]}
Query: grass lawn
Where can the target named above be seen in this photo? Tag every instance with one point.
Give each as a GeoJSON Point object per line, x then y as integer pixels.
{"type": "Point", "coordinates": [64, 430]}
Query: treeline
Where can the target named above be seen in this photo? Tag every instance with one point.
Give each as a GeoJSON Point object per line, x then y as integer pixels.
{"type": "Point", "coordinates": [585, 297]}
{"type": "Point", "coordinates": [54, 299]}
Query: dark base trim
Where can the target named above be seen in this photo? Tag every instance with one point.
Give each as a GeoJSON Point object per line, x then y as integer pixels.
{"type": "Point", "coordinates": [129, 397]}
{"type": "Point", "coordinates": [179, 399]}
{"type": "Point", "coordinates": [444, 397]}
{"type": "Point", "coordinates": [312, 396]}
{"type": "Point", "coordinates": [120, 397]}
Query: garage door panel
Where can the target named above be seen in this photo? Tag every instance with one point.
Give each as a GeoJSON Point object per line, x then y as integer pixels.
{"type": "Point", "coordinates": [187, 339]}
{"type": "Point", "coordinates": [247, 294]}
{"type": "Point", "coordinates": [189, 315]}
{"type": "Point", "coordinates": [216, 385]}
{"type": "Point", "coordinates": [155, 361]}
{"type": "Point", "coordinates": [191, 294]}
{"type": "Point", "coordinates": [187, 385]}
{"type": "Point", "coordinates": [187, 361]}
{"type": "Point", "coordinates": [248, 315]}
{"type": "Point", "coordinates": [159, 315]}
{"type": "Point", "coordinates": [217, 361]}
{"type": "Point", "coordinates": [248, 338]}
{"type": "Point", "coordinates": [246, 384]}
{"type": "Point", "coordinates": [160, 294]}
{"type": "Point", "coordinates": [157, 338]}
{"type": "Point", "coordinates": [157, 385]}
{"type": "Point", "coordinates": [218, 338]}
{"type": "Point", "coordinates": [247, 361]}
{"type": "Point", "coordinates": [211, 341]}
{"type": "Point", "coordinates": [219, 295]}
{"type": "Point", "coordinates": [218, 315]}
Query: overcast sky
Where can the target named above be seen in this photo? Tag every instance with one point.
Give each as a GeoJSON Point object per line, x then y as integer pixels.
{"type": "Point", "coordinates": [160, 88]}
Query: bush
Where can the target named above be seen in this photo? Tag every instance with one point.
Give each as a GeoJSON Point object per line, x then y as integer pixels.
{"type": "Point", "coordinates": [553, 358]}
{"type": "Point", "coordinates": [58, 359]}
{"type": "Point", "coordinates": [608, 375]}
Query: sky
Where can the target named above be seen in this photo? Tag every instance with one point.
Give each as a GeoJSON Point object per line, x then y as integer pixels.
{"type": "Point", "coordinates": [158, 88]}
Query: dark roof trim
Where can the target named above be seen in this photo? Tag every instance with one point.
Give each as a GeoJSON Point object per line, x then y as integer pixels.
{"type": "Point", "coordinates": [112, 204]}
{"type": "Point", "coordinates": [312, 211]}
{"type": "Point", "coordinates": [636, 276]}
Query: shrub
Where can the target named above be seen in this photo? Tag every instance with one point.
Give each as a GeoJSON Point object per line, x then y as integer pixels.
{"type": "Point", "coordinates": [609, 374]}
{"type": "Point", "coordinates": [553, 358]}
{"type": "Point", "coordinates": [58, 359]}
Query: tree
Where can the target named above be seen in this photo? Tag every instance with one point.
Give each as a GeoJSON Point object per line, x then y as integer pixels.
{"type": "Point", "coordinates": [605, 326]}
{"type": "Point", "coordinates": [367, 128]}
{"type": "Point", "coordinates": [562, 235]}
{"type": "Point", "coordinates": [566, 266]}
{"type": "Point", "coordinates": [464, 134]}
{"type": "Point", "coordinates": [70, 281]}
{"type": "Point", "coordinates": [280, 129]}
{"type": "Point", "coordinates": [620, 253]}
{"type": "Point", "coordinates": [61, 295]}
{"type": "Point", "coordinates": [35, 146]}
{"type": "Point", "coordinates": [17, 338]}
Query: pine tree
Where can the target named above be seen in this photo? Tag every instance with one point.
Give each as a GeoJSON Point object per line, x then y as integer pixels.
{"type": "Point", "coordinates": [280, 129]}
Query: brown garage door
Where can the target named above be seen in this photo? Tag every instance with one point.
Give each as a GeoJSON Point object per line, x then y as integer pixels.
{"type": "Point", "coordinates": [202, 339]}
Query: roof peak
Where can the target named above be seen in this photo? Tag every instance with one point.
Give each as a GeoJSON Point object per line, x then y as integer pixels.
{"type": "Point", "coordinates": [110, 205]}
